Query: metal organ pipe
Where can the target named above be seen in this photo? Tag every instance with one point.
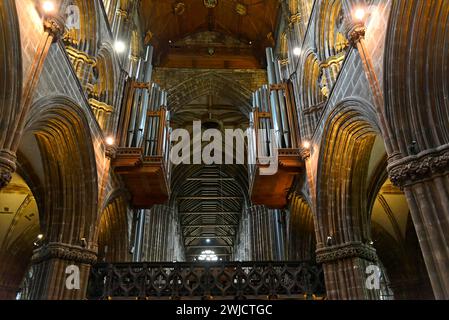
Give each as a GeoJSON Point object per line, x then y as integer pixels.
{"type": "Point", "coordinates": [277, 121]}
{"type": "Point", "coordinates": [282, 105]}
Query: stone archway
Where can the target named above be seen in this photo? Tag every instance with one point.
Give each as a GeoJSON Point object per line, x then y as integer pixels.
{"type": "Point", "coordinates": [301, 231]}
{"type": "Point", "coordinates": [69, 196]}
{"type": "Point", "coordinates": [342, 215]}
{"type": "Point", "coordinates": [19, 229]}
{"type": "Point", "coordinates": [113, 237]}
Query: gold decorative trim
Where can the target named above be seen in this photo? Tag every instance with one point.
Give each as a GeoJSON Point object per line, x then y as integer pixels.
{"type": "Point", "coordinates": [333, 60]}
{"type": "Point", "coordinates": [295, 18]}
{"type": "Point", "coordinates": [100, 106]}
{"type": "Point", "coordinates": [80, 55]}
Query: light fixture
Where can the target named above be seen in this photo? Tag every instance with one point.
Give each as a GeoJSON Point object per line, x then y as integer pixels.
{"type": "Point", "coordinates": [359, 14]}
{"type": "Point", "coordinates": [208, 240]}
{"type": "Point", "coordinates": [297, 51]}
{"type": "Point", "coordinates": [40, 237]}
{"type": "Point", "coordinates": [48, 7]}
{"type": "Point", "coordinates": [208, 256]}
{"type": "Point", "coordinates": [306, 145]}
{"type": "Point", "coordinates": [119, 46]}
{"type": "Point", "coordinates": [110, 141]}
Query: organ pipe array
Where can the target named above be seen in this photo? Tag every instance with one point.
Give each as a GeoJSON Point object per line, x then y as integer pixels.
{"type": "Point", "coordinates": [275, 137]}
{"type": "Point", "coordinates": [273, 109]}
{"type": "Point", "coordinates": [148, 123]}
{"type": "Point", "coordinates": [142, 159]}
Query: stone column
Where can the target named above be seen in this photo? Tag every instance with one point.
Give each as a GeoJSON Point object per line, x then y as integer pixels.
{"type": "Point", "coordinates": [58, 269]}
{"type": "Point", "coordinates": [266, 234]}
{"type": "Point", "coordinates": [345, 271]}
{"type": "Point", "coordinates": [161, 237]}
{"type": "Point", "coordinates": [425, 180]}
{"type": "Point", "coordinates": [10, 139]}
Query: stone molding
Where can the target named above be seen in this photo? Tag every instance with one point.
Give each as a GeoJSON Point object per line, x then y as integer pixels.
{"type": "Point", "coordinates": [66, 252]}
{"type": "Point", "coordinates": [346, 251]}
{"type": "Point", "coordinates": [415, 169]}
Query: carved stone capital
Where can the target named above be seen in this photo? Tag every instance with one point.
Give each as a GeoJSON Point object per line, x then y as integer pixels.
{"type": "Point", "coordinates": [65, 252]}
{"type": "Point", "coordinates": [305, 153]}
{"type": "Point", "coordinates": [355, 33]}
{"type": "Point", "coordinates": [419, 168]}
{"type": "Point", "coordinates": [7, 167]}
{"type": "Point", "coordinates": [346, 251]}
{"type": "Point", "coordinates": [111, 152]}
{"type": "Point", "coordinates": [55, 27]}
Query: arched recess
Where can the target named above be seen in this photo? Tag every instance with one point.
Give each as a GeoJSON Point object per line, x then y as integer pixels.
{"type": "Point", "coordinates": [301, 231]}
{"type": "Point", "coordinates": [314, 94]}
{"type": "Point", "coordinates": [417, 112]}
{"type": "Point", "coordinates": [19, 229]}
{"type": "Point", "coordinates": [105, 94]}
{"type": "Point", "coordinates": [83, 38]}
{"type": "Point", "coordinates": [342, 215]}
{"type": "Point", "coordinates": [69, 163]}
{"type": "Point", "coordinates": [331, 43]}
{"type": "Point", "coordinates": [329, 29]}
{"type": "Point", "coordinates": [11, 86]}
{"type": "Point", "coordinates": [58, 135]}
{"type": "Point", "coordinates": [394, 237]}
{"type": "Point", "coordinates": [113, 239]}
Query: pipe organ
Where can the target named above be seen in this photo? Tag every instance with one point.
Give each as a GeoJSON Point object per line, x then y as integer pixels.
{"type": "Point", "coordinates": [142, 159]}
{"type": "Point", "coordinates": [275, 152]}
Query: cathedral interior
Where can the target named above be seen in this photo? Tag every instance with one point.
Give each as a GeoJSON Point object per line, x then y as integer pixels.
{"type": "Point", "coordinates": [115, 124]}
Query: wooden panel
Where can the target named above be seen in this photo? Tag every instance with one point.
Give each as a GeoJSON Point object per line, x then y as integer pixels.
{"type": "Point", "coordinates": [145, 178]}
{"type": "Point", "coordinates": [272, 191]}
{"type": "Point", "coordinates": [168, 27]}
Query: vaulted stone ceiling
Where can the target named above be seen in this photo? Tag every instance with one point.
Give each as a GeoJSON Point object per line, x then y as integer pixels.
{"type": "Point", "coordinates": [210, 33]}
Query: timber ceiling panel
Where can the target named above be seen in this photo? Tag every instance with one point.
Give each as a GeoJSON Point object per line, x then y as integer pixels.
{"type": "Point", "coordinates": [229, 34]}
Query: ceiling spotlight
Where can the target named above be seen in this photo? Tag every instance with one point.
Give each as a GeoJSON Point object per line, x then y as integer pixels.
{"type": "Point", "coordinates": [297, 51]}
{"type": "Point", "coordinates": [40, 237]}
{"type": "Point", "coordinates": [208, 240]}
{"type": "Point", "coordinates": [306, 144]}
{"type": "Point", "coordinates": [119, 46]}
{"type": "Point", "coordinates": [110, 141]}
{"type": "Point", "coordinates": [48, 7]}
{"type": "Point", "coordinates": [360, 14]}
